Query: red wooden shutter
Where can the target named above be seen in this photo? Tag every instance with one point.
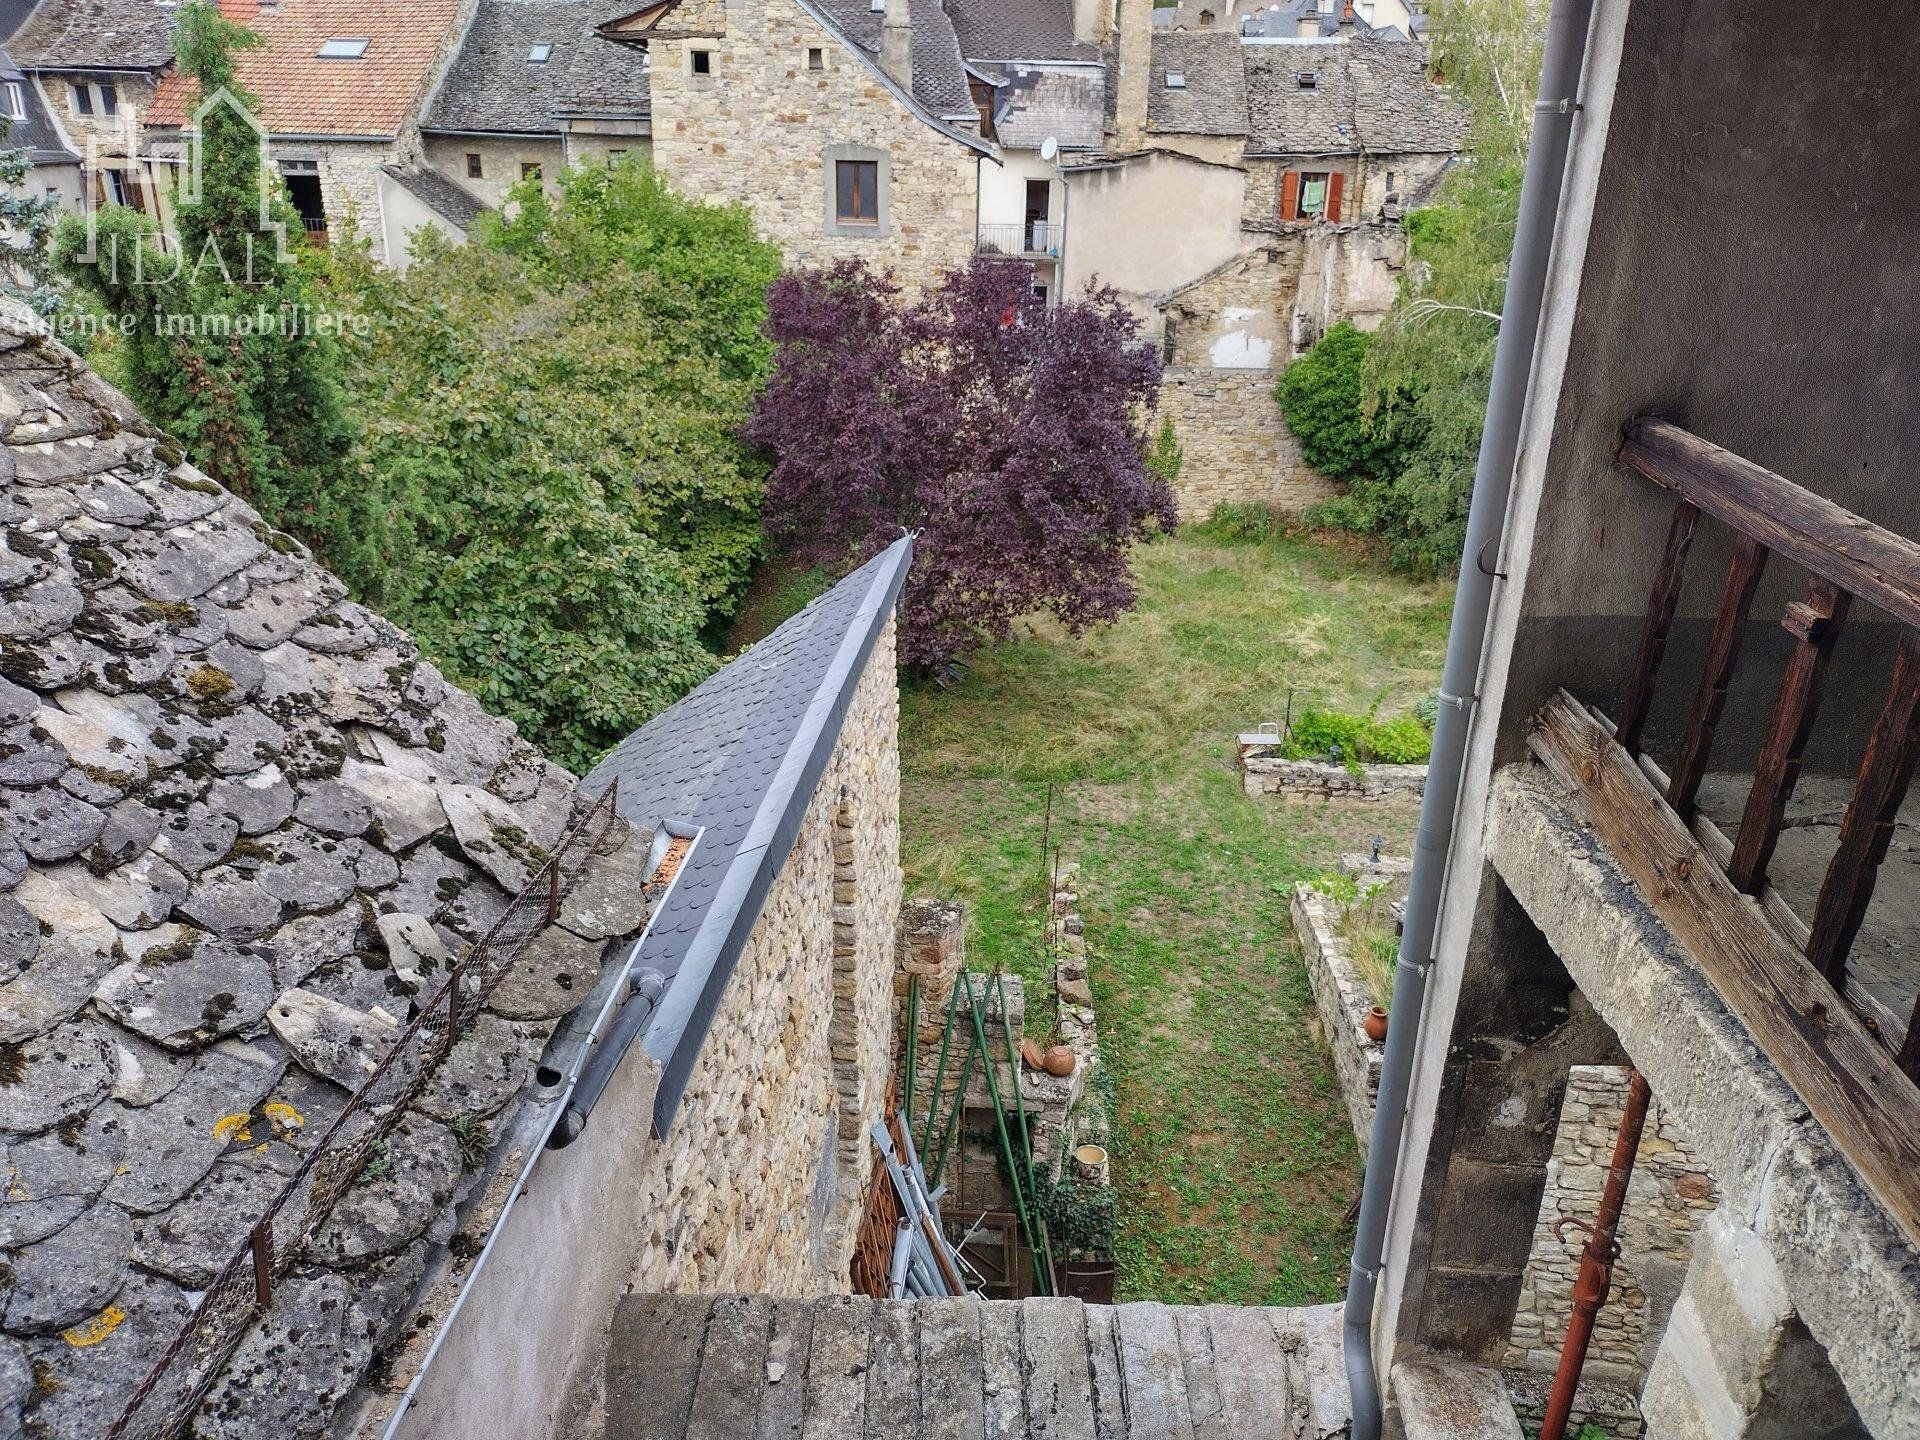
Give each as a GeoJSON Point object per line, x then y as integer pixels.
{"type": "Point", "coordinates": [1290, 196]}
{"type": "Point", "coordinates": [1333, 195]}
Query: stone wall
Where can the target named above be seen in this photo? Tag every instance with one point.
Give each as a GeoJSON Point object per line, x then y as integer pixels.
{"type": "Point", "coordinates": [500, 160]}
{"type": "Point", "coordinates": [1342, 997]}
{"type": "Point", "coordinates": [1667, 1199]}
{"type": "Point", "coordinates": [1316, 780]}
{"type": "Point", "coordinates": [1239, 450]}
{"type": "Point", "coordinates": [758, 1186]}
{"type": "Point", "coordinates": [757, 130]}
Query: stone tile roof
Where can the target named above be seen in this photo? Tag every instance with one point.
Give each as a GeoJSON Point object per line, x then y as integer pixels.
{"type": "Point", "coordinates": [1369, 94]}
{"type": "Point", "coordinates": [231, 801]}
{"type": "Point", "coordinates": [1068, 105]}
{"type": "Point", "coordinates": [493, 87]}
{"type": "Point", "coordinates": [740, 756]}
{"type": "Point", "coordinates": [102, 34]}
{"type": "Point", "coordinates": [438, 193]}
{"type": "Point", "coordinates": [1214, 98]}
{"type": "Point", "coordinates": [992, 30]}
{"type": "Point", "coordinates": [302, 94]}
{"type": "Point", "coordinates": [939, 73]}
{"type": "Point", "coordinates": [36, 133]}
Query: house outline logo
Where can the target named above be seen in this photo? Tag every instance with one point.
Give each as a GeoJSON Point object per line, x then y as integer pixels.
{"type": "Point", "coordinates": [189, 178]}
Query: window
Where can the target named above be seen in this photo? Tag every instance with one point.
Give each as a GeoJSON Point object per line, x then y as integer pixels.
{"type": "Point", "coordinates": [1308, 79]}
{"type": "Point", "coordinates": [342, 48]}
{"type": "Point", "coordinates": [856, 192]}
{"type": "Point", "coordinates": [109, 100]}
{"type": "Point", "coordinates": [83, 100]}
{"type": "Point", "coordinates": [1040, 293]}
{"type": "Point", "coordinates": [1176, 80]}
{"type": "Point", "coordinates": [475, 170]}
{"type": "Point", "coordinates": [1392, 188]}
{"type": "Point", "coordinates": [116, 186]}
{"type": "Point", "coordinates": [529, 169]}
{"type": "Point", "coordinates": [816, 58]}
{"type": "Point", "coordinates": [1311, 195]}
{"type": "Point", "coordinates": [16, 100]}
{"type": "Point", "coordinates": [702, 61]}
{"type": "Point", "coordinates": [540, 54]}
{"type": "Point", "coordinates": [614, 156]}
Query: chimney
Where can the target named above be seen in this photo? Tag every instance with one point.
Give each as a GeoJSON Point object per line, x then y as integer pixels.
{"type": "Point", "coordinates": [1133, 75]}
{"type": "Point", "coordinates": [1310, 26]}
{"type": "Point", "coordinates": [1089, 21]}
{"type": "Point", "coordinates": [896, 44]}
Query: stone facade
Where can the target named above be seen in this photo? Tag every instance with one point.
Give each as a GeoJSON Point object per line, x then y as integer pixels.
{"type": "Point", "coordinates": [1668, 1198]}
{"type": "Point", "coordinates": [758, 130]}
{"type": "Point", "coordinates": [1315, 780]}
{"type": "Point", "coordinates": [758, 1185]}
{"type": "Point", "coordinates": [1238, 451]}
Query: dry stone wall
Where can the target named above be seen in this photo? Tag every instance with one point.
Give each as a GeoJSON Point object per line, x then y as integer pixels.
{"type": "Point", "coordinates": [1238, 450]}
{"type": "Point", "coordinates": [1316, 780]}
{"type": "Point", "coordinates": [758, 1186]}
{"type": "Point", "coordinates": [756, 130]}
{"type": "Point", "coordinates": [1343, 1000]}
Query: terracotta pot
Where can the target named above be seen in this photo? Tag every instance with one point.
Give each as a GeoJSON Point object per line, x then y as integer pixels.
{"type": "Point", "coordinates": [1031, 1055]}
{"type": "Point", "coordinates": [1060, 1061]}
{"type": "Point", "coordinates": [1375, 1024]}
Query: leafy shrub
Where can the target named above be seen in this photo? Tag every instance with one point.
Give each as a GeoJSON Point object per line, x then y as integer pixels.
{"type": "Point", "coordinates": [1079, 1216]}
{"type": "Point", "coordinates": [1244, 524]}
{"type": "Point", "coordinates": [1321, 396]}
{"type": "Point", "coordinates": [1317, 734]}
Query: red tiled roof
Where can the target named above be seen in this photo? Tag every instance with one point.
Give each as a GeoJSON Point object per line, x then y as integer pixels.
{"type": "Point", "coordinates": [301, 94]}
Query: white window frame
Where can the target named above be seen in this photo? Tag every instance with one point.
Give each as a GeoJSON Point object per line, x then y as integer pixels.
{"type": "Point", "coordinates": [16, 100]}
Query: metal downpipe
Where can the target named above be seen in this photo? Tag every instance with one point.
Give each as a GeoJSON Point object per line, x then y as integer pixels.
{"type": "Point", "coordinates": [1563, 55]}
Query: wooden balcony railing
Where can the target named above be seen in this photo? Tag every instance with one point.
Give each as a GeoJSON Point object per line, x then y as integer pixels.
{"type": "Point", "coordinates": [1841, 1047]}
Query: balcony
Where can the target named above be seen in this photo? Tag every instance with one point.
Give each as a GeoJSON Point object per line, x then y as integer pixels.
{"type": "Point", "coordinates": [1025, 240]}
{"type": "Point", "coordinates": [1770, 916]}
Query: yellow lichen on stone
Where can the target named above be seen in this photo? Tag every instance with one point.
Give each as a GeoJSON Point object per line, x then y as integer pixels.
{"type": "Point", "coordinates": [232, 1127]}
{"type": "Point", "coordinates": [93, 1331]}
{"type": "Point", "coordinates": [284, 1114]}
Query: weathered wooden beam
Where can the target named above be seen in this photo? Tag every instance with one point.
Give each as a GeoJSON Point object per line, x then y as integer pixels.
{"type": "Point", "coordinates": [1856, 555]}
{"type": "Point", "coordinates": [1886, 767]}
{"type": "Point", "coordinates": [1662, 600]}
{"type": "Point", "coordinates": [1815, 623]}
{"type": "Point", "coordinates": [1847, 1081]}
{"type": "Point", "coordinates": [1909, 1060]}
{"type": "Point", "coordinates": [1723, 651]}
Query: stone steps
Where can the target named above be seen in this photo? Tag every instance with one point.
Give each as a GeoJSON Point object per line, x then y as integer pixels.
{"type": "Point", "coordinates": [754, 1367]}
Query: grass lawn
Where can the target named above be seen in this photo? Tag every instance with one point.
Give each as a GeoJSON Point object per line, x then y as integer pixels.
{"type": "Point", "coordinates": [1232, 1151]}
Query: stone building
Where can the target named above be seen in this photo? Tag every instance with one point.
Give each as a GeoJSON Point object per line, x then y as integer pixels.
{"type": "Point", "coordinates": [535, 88]}
{"type": "Point", "coordinates": [1663, 854]}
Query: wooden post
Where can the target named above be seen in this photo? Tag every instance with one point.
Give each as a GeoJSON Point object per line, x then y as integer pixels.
{"type": "Point", "coordinates": [1815, 621]}
{"type": "Point", "coordinates": [1729, 625]}
{"type": "Point", "coordinates": [262, 1242]}
{"type": "Point", "coordinates": [1661, 603]}
{"type": "Point", "coordinates": [1865, 833]}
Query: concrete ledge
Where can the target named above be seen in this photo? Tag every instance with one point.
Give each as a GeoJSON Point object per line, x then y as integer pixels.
{"type": "Point", "coordinates": [1853, 1276]}
{"type": "Point", "coordinates": [1452, 1400]}
{"type": "Point", "coordinates": [1343, 1000]}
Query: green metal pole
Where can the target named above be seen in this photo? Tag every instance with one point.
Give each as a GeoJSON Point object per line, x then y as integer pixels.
{"type": "Point", "coordinates": [953, 1115]}
{"type": "Point", "coordinates": [1035, 1240]}
{"type": "Point", "coordinates": [940, 1072]}
{"type": "Point", "coordinates": [1045, 1247]}
{"type": "Point", "coordinates": [913, 1044]}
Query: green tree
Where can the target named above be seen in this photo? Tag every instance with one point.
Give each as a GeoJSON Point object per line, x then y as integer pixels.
{"type": "Point", "coordinates": [1324, 400]}
{"type": "Point", "coordinates": [552, 412]}
{"type": "Point", "coordinates": [222, 349]}
{"type": "Point", "coordinates": [26, 264]}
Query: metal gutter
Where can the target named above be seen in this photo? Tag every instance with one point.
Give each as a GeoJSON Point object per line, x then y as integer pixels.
{"type": "Point", "coordinates": [685, 1013]}
{"type": "Point", "coordinates": [622, 997]}
{"type": "Point", "coordinates": [1562, 59]}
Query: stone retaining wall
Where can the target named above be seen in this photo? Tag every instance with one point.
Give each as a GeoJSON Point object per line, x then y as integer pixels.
{"type": "Point", "coordinates": [1343, 999]}
{"type": "Point", "coordinates": [1317, 780]}
{"type": "Point", "coordinates": [1237, 448]}
{"type": "Point", "coordinates": [1668, 1198]}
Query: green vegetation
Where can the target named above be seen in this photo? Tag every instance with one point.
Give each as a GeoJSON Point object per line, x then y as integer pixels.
{"type": "Point", "coordinates": [1398, 414]}
{"type": "Point", "coordinates": [1231, 1145]}
{"type": "Point", "coordinates": [1357, 739]}
{"type": "Point", "coordinates": [551, 415]}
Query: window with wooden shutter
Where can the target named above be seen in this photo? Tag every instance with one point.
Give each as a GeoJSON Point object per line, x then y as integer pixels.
{"type": "Point", "coordinates": [858, 191]}
{"type": "Point", "coordinates": [1333, 195]}
{"type": "Point", "coordinates": [1290, 195]}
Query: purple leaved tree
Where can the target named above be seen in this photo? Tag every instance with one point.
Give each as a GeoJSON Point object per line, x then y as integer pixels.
{"type": "Point", "coordinates": [1006, 433]}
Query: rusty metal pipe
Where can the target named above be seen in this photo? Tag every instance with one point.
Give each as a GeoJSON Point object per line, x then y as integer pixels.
{"type": "Point", "coordinates": [1596, 1261]}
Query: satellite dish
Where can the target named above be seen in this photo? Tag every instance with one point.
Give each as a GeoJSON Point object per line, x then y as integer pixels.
{"type": "Point", "coordinates": [1049, 148]}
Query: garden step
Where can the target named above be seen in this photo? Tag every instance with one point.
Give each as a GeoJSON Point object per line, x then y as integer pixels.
{"type": "Point", "coordinates": [707, 1367]}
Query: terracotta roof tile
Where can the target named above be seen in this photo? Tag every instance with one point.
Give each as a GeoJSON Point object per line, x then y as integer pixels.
{"type": "Point", "coordinates": [302, 94]}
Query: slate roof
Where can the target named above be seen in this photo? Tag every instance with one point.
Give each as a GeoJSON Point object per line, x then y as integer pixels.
{"type": "Point", "coordinates": [992, 30]}
{"type": "Point", "coordinates": [1214, 99]}
{"type": "Point", "coordinates": [231, 800]}
{"type": "Point", "coordinates": [1068, 105]}
{"type": "Point", "coordinates": [302, 94]}
{"type": "Point", "coordinates": [1371, 94]}
{"type": "Point", "coordinates": [740, 756]}
{"type": "Point", "coordinates": [492, 86]}
{"type": "Point", "coordinates": [438, 193]}
{"type": "Point", "coordinates": [939, 73]}
{"type": "Point", "coordinates": [36, 133]}
{"type": "Point", "coordinates": [95, 35]}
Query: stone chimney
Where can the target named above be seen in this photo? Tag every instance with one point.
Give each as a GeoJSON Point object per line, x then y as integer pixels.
{"type": "Point", "coordinates": [896, 44]}
{"type": "Point", "coordinates": [1133, 57]}
{"type": "Point", "coordinates": [1090, 21]}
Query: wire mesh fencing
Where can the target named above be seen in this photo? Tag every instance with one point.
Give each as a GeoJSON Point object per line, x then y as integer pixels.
{"type": "Point", "coordinates": [241, 1293]}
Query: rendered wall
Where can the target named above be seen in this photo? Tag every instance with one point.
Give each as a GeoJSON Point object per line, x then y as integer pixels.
{"type": "Point", "coordinates": [1151, 223]}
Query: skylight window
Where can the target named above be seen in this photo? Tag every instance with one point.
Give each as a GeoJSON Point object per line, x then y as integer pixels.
{"type": "Point", "coordinates": [1176, 80]}
{"type": "Point", "coordinates": [343, 48]}
{"type": "Point", "coordinates": [540, 54]}
{"type": "Point", "coordinates": [1308, 79]}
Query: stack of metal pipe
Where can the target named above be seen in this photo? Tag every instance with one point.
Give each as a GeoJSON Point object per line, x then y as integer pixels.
{"type": "Point", "coordinates": [925, 1266]}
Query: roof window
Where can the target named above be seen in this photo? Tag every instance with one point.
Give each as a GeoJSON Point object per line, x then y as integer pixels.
{"type": "Point", "coordinates": [1308, 79]}
{"type": "Point", "coordinates": [540, 54]}
{"type": "Point", "coordinates": [343, 48]}
{"type": "Point", "coordinates": [1176, 80]}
